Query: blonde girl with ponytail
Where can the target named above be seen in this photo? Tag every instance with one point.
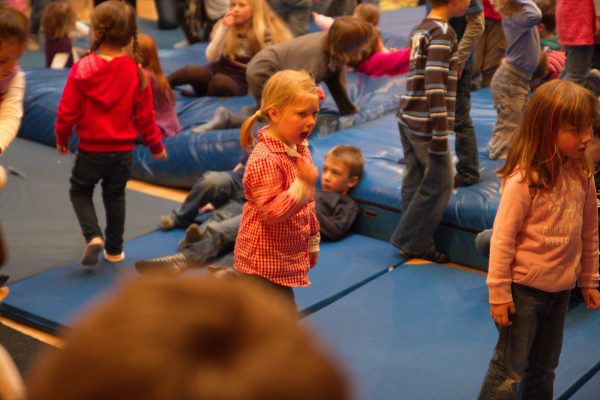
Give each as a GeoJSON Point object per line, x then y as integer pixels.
{"type": "Point", "coordinates": [108, 101]}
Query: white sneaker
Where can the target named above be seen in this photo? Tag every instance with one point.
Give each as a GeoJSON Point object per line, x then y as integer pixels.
{"type": "Point", "coordinates": [181, 45]}
{"type": "Point", "coordinates": [92, 250]}
{"type": "Point", "coordinates": [114, 258]}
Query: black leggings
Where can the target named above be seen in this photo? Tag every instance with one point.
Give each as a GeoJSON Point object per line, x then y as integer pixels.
{"type": "Point", "coordinates": [208, 82]}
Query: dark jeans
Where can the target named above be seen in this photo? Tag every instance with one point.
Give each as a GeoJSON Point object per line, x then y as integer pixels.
{"type": "Point", "coordinates": [217, 233]}
{"type": "Point", "coordinates": [426, 189]}
{"type": "Point", "coordinates": [527, 353]}
{"type": "Point", "coordinates": [114, 170]}
{"type": "Point", "coordinates": [286, 291]}
{"type": "Point", "coordinates": [211, 80]}
{"type": "Point", "coordinates": [212, 187]}
{"type": "Point", "coordinates": [467, 168]}
{"type": "Point", "coordinates": [578, 63]}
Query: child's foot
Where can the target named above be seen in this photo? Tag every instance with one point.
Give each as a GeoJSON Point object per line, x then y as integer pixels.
{"type": "Point", "coordinates": [92, 250]}
{"type": "Point", "coordinates": [167, 222]}
{"type": "Point", "coordinates": [430, 254]}
{"type": "Point", "coordinates": [171, 265]}
{"type": "Point", "coordinates": [192, 233]}
{"type": "Point", "coordinates": [114, 258]}
{"type": "Point", "coordinates": [220, 120]}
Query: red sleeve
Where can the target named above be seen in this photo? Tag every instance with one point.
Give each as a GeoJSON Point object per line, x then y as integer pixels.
{"type": "Point", "coordinates": [69, 110]}
{"type": "Point", "coordinates": [144, 119]}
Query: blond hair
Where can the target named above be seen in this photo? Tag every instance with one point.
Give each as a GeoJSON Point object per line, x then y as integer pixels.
{"type": "Point", "coordinates": [58, 19]}
{"type": "Point", "coordinates": [350, 156]}
{"type": "Point", "coordinates": [534, 149]}
{"type": "Point", "coordinates": [225, 339]}
{"type": "Point", "coordinates": [114, 23]}
{"type": "Point", "coordinates": [283, 89]}
{"type": "Point", "coordinates": [264, 21]}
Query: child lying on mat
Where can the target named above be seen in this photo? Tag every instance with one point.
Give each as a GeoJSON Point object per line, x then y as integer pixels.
{"type": "Point", "coordinates": [223, 192]}
{"type": "Point", "coordinates": [223, 340]}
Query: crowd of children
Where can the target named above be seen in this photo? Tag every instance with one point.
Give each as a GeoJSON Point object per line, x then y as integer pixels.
{"type": "Point", "coordinates": [268, 208]}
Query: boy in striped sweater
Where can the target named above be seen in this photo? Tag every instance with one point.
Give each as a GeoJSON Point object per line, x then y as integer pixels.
{"type": "Point", "coordinates": [425, 119]}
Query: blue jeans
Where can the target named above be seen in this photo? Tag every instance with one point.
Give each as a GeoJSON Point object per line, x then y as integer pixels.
{"type": "Point", "coordinates": [426, 189]}
{"type": "Point", "coordinates": [217, 233]}
{"type": "Point", "coordinates": [212, 187]}
{"type": "Point", "coordinates": [114, 170]}
{"type": "Point", "coordinates": [295, 13]}
{"type": "Point", "coordinates": [467, 168]}
{"type": "Point", "coordinates": [578, 63]}
{"type": "Point", "coordinates": [526, 356]}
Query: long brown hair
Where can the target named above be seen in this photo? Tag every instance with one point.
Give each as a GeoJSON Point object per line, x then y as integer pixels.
{"type": "Point", "coordinates": [534, 149]}
{"type": "Point", "coordinates": [263, 20]}
{"type": "Point", "coordinates": [151, 62]}
{"type": "Point", "coordinates": [13, 25]}
{"type": "Point", "coordinates": [114, 23]}
{"type": "Point", "coordinates": [58, 19]}
{"type": "Point", "coordinates": [346, 41]}
{"type": "Point", "coordinates": [281, 90]}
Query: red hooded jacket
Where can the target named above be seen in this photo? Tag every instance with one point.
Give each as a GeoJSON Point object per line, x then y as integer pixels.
{"type": "Point", "coordinates": [103, 100]}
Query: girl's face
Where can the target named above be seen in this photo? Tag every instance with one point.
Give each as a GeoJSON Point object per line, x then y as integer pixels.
{"type": "Point", "coordinates": [241, 11]}
{"type": "Point", "coordinates": [295, 123]}
{"type": "Point", "coordinates": [573, 141]}
{"type": "Point", "coordinates": [10, 53]}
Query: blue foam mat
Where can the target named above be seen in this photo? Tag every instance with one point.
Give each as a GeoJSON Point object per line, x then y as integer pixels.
{"type": "Point", "coordinates": [51, 300]}
{"type": "Point", "coordinates": [424, 332]}
{"type": "Point", "coordinates": [589, 391]}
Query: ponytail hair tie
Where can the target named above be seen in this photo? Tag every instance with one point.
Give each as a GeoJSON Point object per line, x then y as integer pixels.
{"type": "Point", "coordinates": [320, 93]}
{"type": "Point", "coordinates": [258, 114]}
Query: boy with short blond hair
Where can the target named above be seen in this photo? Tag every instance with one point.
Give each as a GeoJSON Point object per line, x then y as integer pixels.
{"type": "Point", "coordinates": [336, 212]}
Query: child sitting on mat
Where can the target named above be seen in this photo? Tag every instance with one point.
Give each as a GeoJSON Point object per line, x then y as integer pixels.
{"type": "Point", "coordinates": [190, 338]}
{"type": "Point", "coordinates": [545, 240]}
{"type": "Point", "coordinates": [108, 100]}
{"type": "Point", "coordinates": [336, 212]}
{"type": "Point", "coordinates": [58, 20]}
{"type": "Point", "coordinates": [14, 30]}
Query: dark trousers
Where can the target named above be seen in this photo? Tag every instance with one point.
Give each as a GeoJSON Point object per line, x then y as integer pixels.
{"type": "Point", "coordinates": [467, 168]}
{"type": "Point", "coordinates": [286, 291]}
{"type": "Point", "coordinates": [210, 81]}
{"type": "Point", "coordinates": [114, 170]}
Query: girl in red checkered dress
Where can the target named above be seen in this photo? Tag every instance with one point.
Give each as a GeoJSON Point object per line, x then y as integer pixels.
{"type": "Point", "coordinates": [278, 240]}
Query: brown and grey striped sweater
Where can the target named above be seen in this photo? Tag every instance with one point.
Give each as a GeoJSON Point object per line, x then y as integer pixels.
{"type": "Point", "coordinates": [427, 108]}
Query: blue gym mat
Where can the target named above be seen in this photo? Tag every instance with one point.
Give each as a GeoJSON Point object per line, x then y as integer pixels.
{"type": "Point", "coordinates": [49, 301]}
{"type": "Point", "coordinates": [590, 391]}
{"type": "Point", "coordinates": [424, 332]}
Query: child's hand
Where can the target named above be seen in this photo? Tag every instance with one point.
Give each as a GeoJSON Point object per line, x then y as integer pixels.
{"type": "Point", "coordinates": [160, 156]}
{"type": "Point", "coordinates": [500, 313]}
{"type": "Point", "coordinates": [591, 296]}
{"type": "Point", "coordinates": [228, 19]}
{"type": "Point", "coordinates": [62, 150]}
{"type": "Point", "coordinates": [307, 172]}
{"type": "Point", "coordinates": [312, 259]}
{"type": "Point", "coordinates": [208, 207]}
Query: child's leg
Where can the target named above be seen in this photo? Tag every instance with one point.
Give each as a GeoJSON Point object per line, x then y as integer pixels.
{"type": "Point", "coordinates": [117, 171]}
{"type": "Point", "coordinates": [510, 89]}
{"type": "Point", "coordinates": [84, 176]}
{"type": "Point", "coordinates": [516, 343]}
{"type": "Point", "coordinates": [538, 381]}
{"type": "Point", "coordinates": [578, 63]}
{"type": "Point", "coordinates": [222, 85]}
{"type": "Point", "coordinates": [198, 77]}
{"type": "Point", "coordinates": [467, 168]}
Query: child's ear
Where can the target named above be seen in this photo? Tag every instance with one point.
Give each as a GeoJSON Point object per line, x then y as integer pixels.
{"type": "Point", "coordinates": [273, 114]}
{"type": "Point", "coordinates": [352, 182]}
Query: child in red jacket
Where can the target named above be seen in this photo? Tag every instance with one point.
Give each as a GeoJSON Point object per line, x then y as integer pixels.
{"type": "Point", "coordinates": [108, 100]}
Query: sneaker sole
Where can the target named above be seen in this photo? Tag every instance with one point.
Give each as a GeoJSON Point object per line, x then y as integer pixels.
{"type": "Point", "coordinates": [91, 254]}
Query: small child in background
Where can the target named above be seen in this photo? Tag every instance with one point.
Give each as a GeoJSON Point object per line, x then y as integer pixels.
{"type": "Point", "coordinates": [58, 20]}
{"type": "Point", "coordinates": [511, 83]}
{"type": "Point", "coordinates": [547, 25]}
{"type": "Point", "coordinates": [164, 101]}
{"type": "Point", "coordinates": [224, 340]}
{"type": "Point", "coordinates": [545, 240]}
{"type": "Point", "coordinates": [278, 240]}
{"type": "Point", "coordinates": [14, 30]}
{"type": "Point", "coordinates": [336, 212]}
{"type": "Point", "coordinates": [108, 100]}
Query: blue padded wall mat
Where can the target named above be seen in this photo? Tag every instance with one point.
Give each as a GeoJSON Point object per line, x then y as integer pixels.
{"type": "Point", "coordinates": [401, 21]}
{"type": "Point", "coordinates": [589, 391]}
{"type": "Point", "coordinates": [50, 300]}
{"type": "Point", "coordinates": [39, 224]}
{"type": "Point", "coordinates": [424, 332]}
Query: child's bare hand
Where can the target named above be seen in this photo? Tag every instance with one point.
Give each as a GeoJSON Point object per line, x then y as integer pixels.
{"type": "Point", "coordinates": [591, 296]}
{"type": "Point", "coordinates": [228, 19]}
{"type": "Point", "coordinates": [312, 259]}
{"type": "Point", "coordinates": [307, 172]}
{"type": "Point", "coordinates": [501, 313]}
{"type": "Point", "coordinates": [160, 156]}
{"type": "Point", "coordinates": [62, 150]}
{"type": "Point", "coordinates": [207, 208]}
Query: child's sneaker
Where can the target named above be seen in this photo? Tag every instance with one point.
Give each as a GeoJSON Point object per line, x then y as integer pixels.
{"type": "Point", "coordinates": [114, 258]}
{"type": "Point", "coordinates": [167, 222]}
{"type": "Point", "coordinates": [92, 250]}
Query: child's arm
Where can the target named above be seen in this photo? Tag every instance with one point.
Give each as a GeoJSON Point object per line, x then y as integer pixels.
{"type": "Point", "coordinates": [214, 50]}
{"type": "Point", "coordinates": [336, 214]}
{"type": "Point", "coordinates": [588, 277]}
{"type": "Point", "coordinates": [380, 63]}
{"type": "Point", "coordinates": [468, 41]}
{"type": "Point", "coordinates": [336, 82]}
{"type": "Point", "coordinates": [264, 179]}
{"type": "Point", "coordinates": [68, 113]}
{"type": "Point", "coordinates": [11, 111]}
{"type": "Point", "coordinates": [529, 17]}
{"type": "Point", "coordinates": [144, 119]}
{"type": "Point", "coordinates": [323, 22]}
{"type": "Point", "coordinates": [512, 212]}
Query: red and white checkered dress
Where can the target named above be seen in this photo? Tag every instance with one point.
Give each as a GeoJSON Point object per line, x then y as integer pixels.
{"type": "Point", "coordinates": [277, 223]}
